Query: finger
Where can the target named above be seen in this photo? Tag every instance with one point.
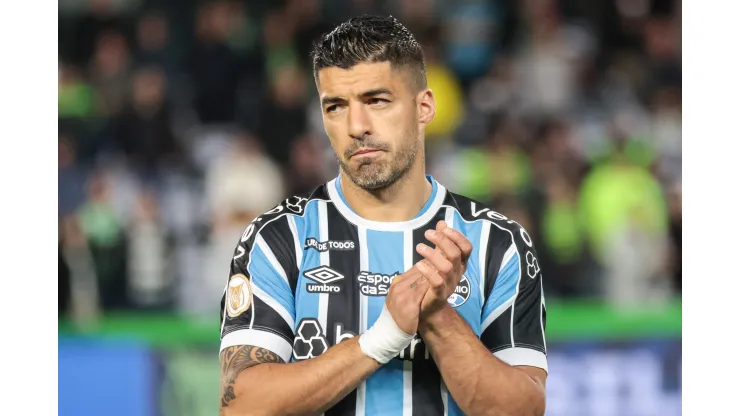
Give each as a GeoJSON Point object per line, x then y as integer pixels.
{"type": "Point", "coordinates": [436, 258]}
{"type": "Point", "coordinates": [463, 244]}
{"type": "Point", "coordinates": [448, 248]}
{"type": "Point", "coordinates": [431, 275]}
{"type": "Point", "coordinates": [441, 225]}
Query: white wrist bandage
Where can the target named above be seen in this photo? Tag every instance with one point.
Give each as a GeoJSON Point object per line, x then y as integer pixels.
{"type": "Point", "coordinates": [385, 339]}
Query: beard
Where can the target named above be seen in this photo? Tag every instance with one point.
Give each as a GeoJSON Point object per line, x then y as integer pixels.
{"type": "Point", "coordinates": [372, 174]}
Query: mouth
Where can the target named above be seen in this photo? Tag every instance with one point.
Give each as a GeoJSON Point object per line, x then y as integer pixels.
{"type": "Point", "coordinates": [366, 152]}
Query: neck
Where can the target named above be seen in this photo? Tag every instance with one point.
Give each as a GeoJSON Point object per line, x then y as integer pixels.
{"type": "Point", "coordinates": [396, 203]}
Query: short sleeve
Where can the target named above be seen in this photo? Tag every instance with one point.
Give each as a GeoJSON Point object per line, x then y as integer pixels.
{"type": "Point", "coordinates": [257, 307]}
{"type": "Point", "coordinates": [513, 318]}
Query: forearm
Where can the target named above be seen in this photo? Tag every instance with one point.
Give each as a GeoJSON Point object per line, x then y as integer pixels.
{"type": "Point", "coordinates": [480, 383]}
{"type": "Point", "coordinates": [305, 387]}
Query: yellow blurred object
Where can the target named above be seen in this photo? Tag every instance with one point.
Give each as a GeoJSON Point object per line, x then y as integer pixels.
{"type": "Point", "coordinates": [449, 99]}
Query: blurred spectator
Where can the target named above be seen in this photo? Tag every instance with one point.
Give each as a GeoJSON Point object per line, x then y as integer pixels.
{"type": "Point", "coordinates": [243, 184]}
{"type": "Point", "coordinates": [674, 209]}
{"type": "Point", "coordinates": [665, 130]}
{"type": "Point", "coordinates": [79, 33]}
{"type": "Point", "coordinates": [150, 276]}
{"type": "Point", "coordinates": [559, 152]}
{"type": "Point", "coordinates": [279, 31]}
{"type": "Point", "coordinates": [624, 214]}
{"type": "Point", "coordinates": [489, 97]}
{"type": "Point", "coordinates": [662, 37]}
{"type": "Point", "coordinates": [144, 129]}
{"type": "Point", "coordinates": [153, 43]}
{"type": "Point", "coordinates": [65, 285]}
{"type": "Point", "coordinates": [419, 16]}
{"type": "Point", "coordinates": [308, 165]}
{"type": "Point", "coordinates": [548, 63]}
{"type": "Point", "coordinates": [498, 169]}
{"type": "Point", "coordinates": [470, 27]}
{"type": "Point", "coordinates": [561, 236]}
{"type": "Point", "coordinates": [214, 65]}
{"type": "Point", "coordinates": [77, 265]}
{"type": "Point", "coordinates": [448, 97]}
{"type": "Point", "coordinates": [110, 71]}
{"type": "Point", "coordinates": [495, 91]}
{"type": "Point", "coordinates": [71, 178]}
{"type": "Point", "coordinates": [307, 16]}
{"type": "Point", "coordinates": [105, 236]}
{"type": "Point", "coordinates": [283, 113]}
{"type": "Point", "coordinates": [76, 97]}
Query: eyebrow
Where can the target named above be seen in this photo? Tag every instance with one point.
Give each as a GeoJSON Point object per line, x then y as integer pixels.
{"type": "Point", "coordinates": [366, 94]}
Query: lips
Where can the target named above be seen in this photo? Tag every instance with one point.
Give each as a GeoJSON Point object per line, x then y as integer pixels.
{"type": "Point", "coordinates": [364, 152]}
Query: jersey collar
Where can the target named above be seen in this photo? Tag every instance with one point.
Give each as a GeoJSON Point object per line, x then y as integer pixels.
{"type": "Point", "coordinates": [432, 206]}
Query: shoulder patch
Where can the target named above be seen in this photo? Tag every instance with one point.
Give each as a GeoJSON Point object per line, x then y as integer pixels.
{"type": "Point", "coordinates": [238, 295]}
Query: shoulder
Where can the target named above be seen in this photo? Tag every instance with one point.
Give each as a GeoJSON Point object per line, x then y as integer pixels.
{"type": "Point", "coordinates": [507, 240]}
{"type": "Point", "coordinates": [276, 220]}
{"type": "Point", "coordinates": [503, 231]}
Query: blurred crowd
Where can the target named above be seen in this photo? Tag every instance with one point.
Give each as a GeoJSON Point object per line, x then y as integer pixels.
{"type": "Point", "coordinates": [179, 122]}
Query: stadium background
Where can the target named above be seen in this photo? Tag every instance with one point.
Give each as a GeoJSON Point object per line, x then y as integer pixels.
{"type": "Point", "coordinates": [179, 121]}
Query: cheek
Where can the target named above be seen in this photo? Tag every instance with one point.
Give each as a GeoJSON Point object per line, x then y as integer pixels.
{"type": "Point", "coordinates": [389, 123]}
{"type": "Point", "coordinates": [336, 133]}
{"type": "Point", "coordinates": [396, 125]}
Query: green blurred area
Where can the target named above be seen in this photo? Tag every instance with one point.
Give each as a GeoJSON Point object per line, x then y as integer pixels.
{"type": "Point", "coordinates": [565, 321]}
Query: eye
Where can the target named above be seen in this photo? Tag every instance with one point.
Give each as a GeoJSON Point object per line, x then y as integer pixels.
{"type": "Point", "coordinates": [373, 101]}
{"type": "Point", "coordinates": [331, 108]}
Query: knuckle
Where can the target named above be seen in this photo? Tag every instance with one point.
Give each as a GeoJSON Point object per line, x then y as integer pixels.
{"type": "Point", "coordinates": [456, 252]}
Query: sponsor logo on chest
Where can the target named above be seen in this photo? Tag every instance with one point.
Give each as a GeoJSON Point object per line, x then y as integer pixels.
{"type": "Point", "coordinates": [323, 246]}
{"type": "Point", "coordinates": [375, 284]}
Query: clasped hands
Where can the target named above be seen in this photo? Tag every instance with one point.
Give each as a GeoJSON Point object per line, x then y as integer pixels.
{"type": "Point", "coordinates": [423, 290]}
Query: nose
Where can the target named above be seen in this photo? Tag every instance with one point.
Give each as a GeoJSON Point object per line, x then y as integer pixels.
{"type": "Point", "coordinates": [358, 120]}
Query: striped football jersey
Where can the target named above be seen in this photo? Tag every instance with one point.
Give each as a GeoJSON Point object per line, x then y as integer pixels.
{"type": "Point", "coordinates": [311, 273]}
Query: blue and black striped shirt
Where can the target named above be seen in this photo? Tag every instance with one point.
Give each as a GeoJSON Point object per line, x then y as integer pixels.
{"type": "Point", "coordinates": [311, 272]}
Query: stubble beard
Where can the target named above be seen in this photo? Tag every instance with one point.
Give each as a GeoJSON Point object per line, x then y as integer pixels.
{"type": "Point", "coordinates": [374, 175]}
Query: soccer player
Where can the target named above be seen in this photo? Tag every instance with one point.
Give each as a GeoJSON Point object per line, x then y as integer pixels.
{"type": "Point", "coordinates": [381, 293]}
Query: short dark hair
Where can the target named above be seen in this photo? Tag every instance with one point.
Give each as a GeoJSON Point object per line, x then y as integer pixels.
{"type": "Point", "coordinates": [370, 39]}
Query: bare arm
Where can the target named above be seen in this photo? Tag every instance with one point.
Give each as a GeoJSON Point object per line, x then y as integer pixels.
{"type": "Point", "coordinates": [314, 385]}
{"type": "Point", "coordinates": [480, 383]}
{"type": "Point", "coordinates": [301, 388]}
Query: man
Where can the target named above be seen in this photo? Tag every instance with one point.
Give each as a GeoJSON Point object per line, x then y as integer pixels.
{"type": "Point", "coordinates": [381, 293]}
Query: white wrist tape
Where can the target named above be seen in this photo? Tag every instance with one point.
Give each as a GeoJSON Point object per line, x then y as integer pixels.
{"type": "Point", "coordinates": [385, 339]}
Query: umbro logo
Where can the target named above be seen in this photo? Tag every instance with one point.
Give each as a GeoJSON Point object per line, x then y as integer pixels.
{"type": "Point", "coordinates": [323, 275]}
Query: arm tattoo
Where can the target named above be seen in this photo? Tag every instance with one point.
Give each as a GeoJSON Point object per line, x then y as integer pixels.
{"type": "Point", "coordinates": [236, 359]}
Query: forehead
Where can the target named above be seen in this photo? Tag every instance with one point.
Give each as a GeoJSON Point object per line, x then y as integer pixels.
{"type": "Point", "coordinates": [334, 81]}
